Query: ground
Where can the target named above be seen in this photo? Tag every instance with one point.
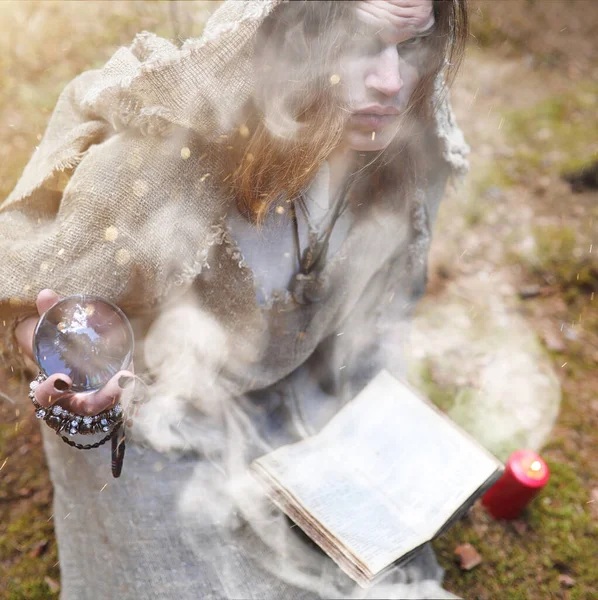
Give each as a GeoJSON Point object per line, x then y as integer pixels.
{"type": "Point", "coordinates": [526, 99]}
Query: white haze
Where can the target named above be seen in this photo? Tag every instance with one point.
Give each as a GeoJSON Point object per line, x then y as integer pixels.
{"type": "Point", "coordinates": [191, 410]}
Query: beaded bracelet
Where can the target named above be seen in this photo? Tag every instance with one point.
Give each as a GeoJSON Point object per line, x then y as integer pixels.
{"type": "Point", "coordinates": [61, 420]}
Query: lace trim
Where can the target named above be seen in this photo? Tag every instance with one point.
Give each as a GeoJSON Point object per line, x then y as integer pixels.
{"type": "Point", "coordinates": [279, 297]}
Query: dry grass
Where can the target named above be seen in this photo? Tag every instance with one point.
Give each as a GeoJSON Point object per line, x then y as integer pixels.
{"type": "Point", "coordinates": [545, 33]}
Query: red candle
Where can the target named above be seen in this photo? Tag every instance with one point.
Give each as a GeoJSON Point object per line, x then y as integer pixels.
{"type": "Point", "coordinates": [524, 476]}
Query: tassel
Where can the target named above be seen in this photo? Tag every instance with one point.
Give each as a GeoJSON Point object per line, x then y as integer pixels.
{"type": "Point", "coordinates": [118, 450]}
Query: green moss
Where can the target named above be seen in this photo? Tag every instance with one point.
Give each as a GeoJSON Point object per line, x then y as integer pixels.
{"type": "Point", "coordinates": [560, 535]}
{"type": "Point", "coordinates": [492, 178]}
{"type": "Point", "coordinates": [33, 591]}
{"type": "Point", "coordinates": [554, 244]}
{"type": "Point", "coordinates": [422, 377]}
{"type": "Point", "coordinates": [557, 133]}
{"type": "Point", "coordinates": [560, 259]}
{"type": "Point", "coordinates": [484, 185]}
{"type": "Point", "coordinates": [561, 530]}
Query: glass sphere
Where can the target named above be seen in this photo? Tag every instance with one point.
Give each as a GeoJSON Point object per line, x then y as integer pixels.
{"type": "Point", "coordinates": [85, 337]}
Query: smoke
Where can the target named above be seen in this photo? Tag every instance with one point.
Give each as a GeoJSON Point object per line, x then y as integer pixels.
{"type": "Point", "coordinates": [223, 392]}
{"type": "Point", "coordinates": [474, 345]}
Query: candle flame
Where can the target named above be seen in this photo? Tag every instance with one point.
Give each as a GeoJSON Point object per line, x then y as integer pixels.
{"type": "Point", "coordinates": [535, 469]}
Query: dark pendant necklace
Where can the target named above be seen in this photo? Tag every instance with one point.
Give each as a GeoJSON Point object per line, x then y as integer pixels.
{"type": "Point", "coordinates": [308, 285]}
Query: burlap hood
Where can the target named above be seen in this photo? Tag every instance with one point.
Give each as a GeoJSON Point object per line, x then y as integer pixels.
{"type": "Point", "coordinates": [124, 196]}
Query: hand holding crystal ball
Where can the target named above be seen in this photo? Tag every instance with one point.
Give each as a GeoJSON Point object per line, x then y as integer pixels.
{"type": "Point", "coordinates": [83, 344]}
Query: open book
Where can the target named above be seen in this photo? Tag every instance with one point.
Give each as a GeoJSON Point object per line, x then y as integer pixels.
{"type": "Point", "coordinates": [387, 474]}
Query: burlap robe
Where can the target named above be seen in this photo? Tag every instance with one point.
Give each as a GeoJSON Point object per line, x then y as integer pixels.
{"type": "Point", "coordinates": [125, 198]}
{"type": "Point", "coordinates": [108, 206]}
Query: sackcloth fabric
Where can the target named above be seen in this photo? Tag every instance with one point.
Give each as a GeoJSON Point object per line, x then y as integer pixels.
{"type": "Point", "coordinates": [179, 535]}
{"type": "Point", "coordinates": [108, 206]}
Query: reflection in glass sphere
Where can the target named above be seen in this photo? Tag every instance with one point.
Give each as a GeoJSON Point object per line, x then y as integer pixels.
{"type": "Point", "coordinates": [85, 337]}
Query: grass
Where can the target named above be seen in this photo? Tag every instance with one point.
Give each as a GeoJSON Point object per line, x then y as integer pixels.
{"type": "Point", "coordinates": [555, 535]}
{"type": "Point", "coordinates": [558, 537]}
{"type": "Point", "coordinates": [557, 133]}
{"type": "Point", "coordinates": [561, 258]}
{"type": "Point", "coordinates": [25, 510]}
{"type": "Point", "coordinates": [553, 136]}
{"type": "Point", "coordinates": [442, 396]}
{"type": "Point", "coordinates": [557, 532]}
{"type": "Point", "coordinates": [557, 261]}
{"type": "Point", "coordinates": [484, 188]}
{"type": "Point", "coordinates": [549, 34]}
{"type": "Point", "coordinates": [548, 139]}
{"type": "Point", "coordinates": [33, 74]}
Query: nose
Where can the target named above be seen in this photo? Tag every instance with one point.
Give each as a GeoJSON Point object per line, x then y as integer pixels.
{"type": "Point", "coordinates": [384, 74]}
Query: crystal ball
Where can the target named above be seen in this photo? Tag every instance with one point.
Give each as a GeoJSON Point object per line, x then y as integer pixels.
{"type": "Point", "coordinates": [85, 337]}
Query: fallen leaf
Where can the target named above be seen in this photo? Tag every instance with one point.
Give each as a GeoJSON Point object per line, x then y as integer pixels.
{"type": "Point", "coordinates": [566, 581]}
{"type": "Point", "coordinates": [52, 584]}
{"type": "Point", "coordinates": [468, 556]}
{"type": "Point", "coordinates": [39, 549]}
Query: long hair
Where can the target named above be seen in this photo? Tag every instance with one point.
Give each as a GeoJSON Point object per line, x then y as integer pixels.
{"type": "Point", "coordinates": [297, 115]}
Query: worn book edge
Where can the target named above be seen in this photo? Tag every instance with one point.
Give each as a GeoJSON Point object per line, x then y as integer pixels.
{"type": "Point", "coordinates": [347, 560]}
{"type": "Point", "coordinates": [338, 551]}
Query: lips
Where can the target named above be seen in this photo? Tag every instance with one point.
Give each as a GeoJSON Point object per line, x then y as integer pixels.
{"type": "Point", "coordinates": [371, 121]}
{"type": "Point", "coordinates": [374, 109]}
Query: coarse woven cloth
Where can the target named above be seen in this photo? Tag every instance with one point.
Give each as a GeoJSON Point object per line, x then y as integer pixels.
{"type": "Point", "coordinates": [110, 205]}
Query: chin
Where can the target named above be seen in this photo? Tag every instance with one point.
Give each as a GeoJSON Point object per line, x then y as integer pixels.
{"type": "Point", "coordinates": [363, 142]}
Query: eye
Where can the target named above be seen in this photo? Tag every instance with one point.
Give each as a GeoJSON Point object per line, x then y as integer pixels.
{"type": "Point", "coordinates": [413, 42]}
{"type": "Point", "coordinates": [368, 44]}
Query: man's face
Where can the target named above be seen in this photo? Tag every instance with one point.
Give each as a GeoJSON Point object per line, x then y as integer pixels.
{"type": "Point", "coordinates": [382, 67]}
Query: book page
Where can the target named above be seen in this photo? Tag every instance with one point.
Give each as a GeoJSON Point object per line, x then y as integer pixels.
{"type": "Point", "coordinates": [408, 450]}
{"type": "Point", "coordinates": [385, 473]}
{"type": "Point", "coordinates": [347, 507]}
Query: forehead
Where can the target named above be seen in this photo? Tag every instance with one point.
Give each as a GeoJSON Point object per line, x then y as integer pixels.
{"type": "Point", "coordinates": [394, 20]}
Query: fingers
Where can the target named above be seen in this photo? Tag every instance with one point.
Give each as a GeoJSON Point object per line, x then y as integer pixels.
{"type": "Point", "coordinates": [46, 299]}
{"type": "Point", "coordinates": [53, 389]}
{"type": "Point", "coordinates": [24, 335]}
{"type": "Point", "coordinates": [107, 397]}
{"type": "Point", "coordinates": [25, 329]}
{"type": "Point", "coordinates": [56, 390]}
